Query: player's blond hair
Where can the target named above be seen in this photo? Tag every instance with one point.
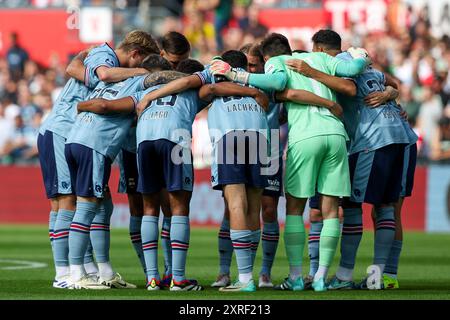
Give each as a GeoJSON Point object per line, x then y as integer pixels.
{"type": "Point", "coordinates": [141, 41]}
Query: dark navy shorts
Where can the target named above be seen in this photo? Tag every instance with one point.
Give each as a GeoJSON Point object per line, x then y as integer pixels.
{"type": "Point", "coordinates": [158, 170]}
{"type": "Point", "coordinates": [89, 170]}
{"type": "Point", "coordinates": [275, 182]}
{"type": "Point", "coordinates": [409, 168]}
{"type": "Point", "coordinates": [376, 175]}
{"type": "Point", "coordinates": [55, 170]}
{"type": "Point", "coordinates": [244, 167]}
{"type": "Point", "coordinates": [128, 172]}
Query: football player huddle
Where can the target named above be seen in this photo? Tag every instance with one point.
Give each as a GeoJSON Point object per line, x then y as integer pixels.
{"type": "Point", "coordinates": [348, 143]}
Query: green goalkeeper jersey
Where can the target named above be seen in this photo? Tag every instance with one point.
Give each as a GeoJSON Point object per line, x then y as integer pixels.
{"type": "Point", "coordinates": [306, 121]}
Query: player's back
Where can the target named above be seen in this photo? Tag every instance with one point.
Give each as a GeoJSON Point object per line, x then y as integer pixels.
{"type": "Point", "coordinates": [377, 127]}
{"type": "Point", "coordinates": [306, 121]}
{"type": "Point", "coordinates": [106, 133]}
{"type": "Point", "coordinates": [236, 113]}
{"type": "Point", "coordinates": [64, 111]}
{"type": "Point", "coordinates": [170, 117]}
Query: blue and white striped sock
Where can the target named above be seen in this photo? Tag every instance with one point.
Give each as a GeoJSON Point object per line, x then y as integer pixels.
{"type": "Point", "coordinates": [166, 246]}
{"type": "Point", "coordinates": [149, 234]}
{"type": "Point", "coordinates": [313, 246]}
{"type": "Point", "coordinates": [61, 242]}
{"type": "Point", "coordinates": [79, 236]}
{"type": "Point", "coordinates": [351, 237]}
{"type": "Point", "coordinates": [242, 245]}
{"type": "Point", "coordinates": [225, 247]}
{"type": "Point", "coordinates": [270, 237]}
{"type": "Point", "coordinates": [101, 238]}
{"type": "Point", "coordinates": [256, 238]}
{"type": "Point", "coordinates": [384, 235]}
{"type": "Point", "coordinates": [391, 268]}
{"type": "Point", "coordinates": [51, 229]}
{"type": "Point", "coordinates": [179, 238]}
{"type": "Point", "coordinates": [136, 239]}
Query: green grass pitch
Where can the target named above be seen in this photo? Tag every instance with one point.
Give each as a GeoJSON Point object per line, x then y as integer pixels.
{"type": "Point", "coordinates": [424, 269]}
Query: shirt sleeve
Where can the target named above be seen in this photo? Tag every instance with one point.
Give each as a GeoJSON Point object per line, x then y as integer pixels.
{"type": "Point", "coordinates": [205, 76]}
{"type": "Point", "coordinates": [349, 68]}
{"type": "Point", "coordinates": [274, 78]}
{"type": "Point", "coordinates": [96, 59]}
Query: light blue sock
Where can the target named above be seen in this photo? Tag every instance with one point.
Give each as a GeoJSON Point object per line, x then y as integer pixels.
{"type": "Point", "coordinates": [384, 234]}
{"type": "Point", "coordinates": [135, 236]}
{"type": "Point", "coordinates": [61, 237]}
{"type": "Point", "coordinates": [89, 255]}
{"type": "Point", "coordinates": [394, 257]}
{"type": "Point", "coordinates": [313, 246]}
{"type": "Point", "coordinates": [51, 230]}
{"type": "Point", "coordinates": [165, 243]}
{"type": "Point", "coordinates": [256, 237]}
{"type": "Point", "coordinates": [100, 235]}
{"type": "Point", "coordinates": [270, 237]}
{"type": "Point", "coordinates": [179, 239]}
{"type": "Point", "coordinates": [242, 245]}
{"type": "Point", "coordinates": [79, 231]}
{"type": "Point", "coordinates": [149, 234]}
{"type": "Point", "coordinates": [225, 247]}
{"type": "Point", "coordinates": [351, 236]}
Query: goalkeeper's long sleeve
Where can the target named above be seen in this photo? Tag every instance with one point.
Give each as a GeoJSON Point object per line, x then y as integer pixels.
{"type": "Point", "coordinates": [268, 82]}
{"type": "Point", "coordinates": [351, 68]}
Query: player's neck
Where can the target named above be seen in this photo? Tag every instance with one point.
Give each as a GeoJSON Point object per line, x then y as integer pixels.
{"type": "Point", "coordinates": [123, 58]}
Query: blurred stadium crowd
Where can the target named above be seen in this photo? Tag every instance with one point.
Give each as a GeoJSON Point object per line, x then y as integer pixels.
{"type": "Point", "coordinates": [420, 61]}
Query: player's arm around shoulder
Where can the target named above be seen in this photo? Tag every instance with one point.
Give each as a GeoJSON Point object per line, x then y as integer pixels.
{"type": "Point", "coordinates": [223, 89]}
{"type": "Point", "coordinates": [341, 85]}
{"type": "Point", "coordinates": [176, 86]}
{"type": "Point", "coordinates": [76, 68]}
{"type": "Point", "coordinates": [104, 106]}
{"type": "Point", "coordinates": [390, 93]}
{"type": "Point", "coordinates": [305, 98]}
{"type": "Point", "coordinates": [116, 74]}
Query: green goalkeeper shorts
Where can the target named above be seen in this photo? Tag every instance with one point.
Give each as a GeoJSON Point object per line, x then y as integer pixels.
{"type": "Point", "coordinates": [318, 161]}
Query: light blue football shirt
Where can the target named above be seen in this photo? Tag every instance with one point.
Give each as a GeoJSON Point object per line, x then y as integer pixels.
{"type": "Point", "coordinates": [169, 117]}
{"type": "Point", "coordinates": [372, 128]}
{"type": "Point", "coordinates": [64, 110]}
{"type": "Point", "coordinates": [233, 113]}
{"type": "Point", "coordinates": [106, 134]}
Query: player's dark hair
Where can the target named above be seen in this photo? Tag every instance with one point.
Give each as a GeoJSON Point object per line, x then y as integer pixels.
{"type": "Point", "coordinates": [190, 66]}
{"type": "Point", "coordinates": [328, 39]}
{"type": "Point", "coordinates": [154, 62]}
{"type": "Point", "coordinates": [175, 43]}
{"type": "Point", "coordinates": [275, 44]}
{"type": "Point", "coordinates": [235, 58]}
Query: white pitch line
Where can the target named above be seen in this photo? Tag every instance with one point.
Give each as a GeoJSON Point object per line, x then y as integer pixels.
{"type": "Point", "coordinates": [22, 264]}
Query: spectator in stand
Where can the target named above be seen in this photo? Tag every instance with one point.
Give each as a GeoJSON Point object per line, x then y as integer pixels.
{"type": "Point", "coordinates": [429, 115]}
{"type": "Point", "coordinates": [16, 56]}
{"type": "Point", "coordinates": [440, 149]}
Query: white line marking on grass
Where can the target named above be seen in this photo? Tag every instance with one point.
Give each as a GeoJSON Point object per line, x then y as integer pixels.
{"type": "Point", "coordinates": [22, 264]}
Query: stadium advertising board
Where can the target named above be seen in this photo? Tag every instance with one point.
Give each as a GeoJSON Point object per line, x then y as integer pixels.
{"type": "Point", "coordinates": [426, 204]}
